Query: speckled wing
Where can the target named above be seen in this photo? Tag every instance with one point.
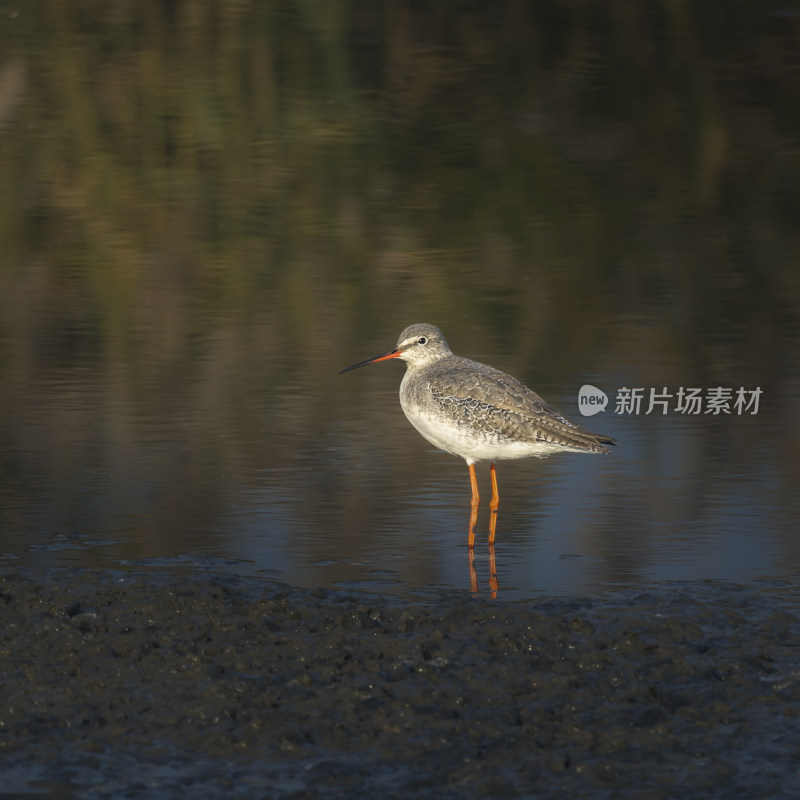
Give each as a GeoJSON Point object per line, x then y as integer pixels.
{"type": "Point", "coordinates": [490, 401]}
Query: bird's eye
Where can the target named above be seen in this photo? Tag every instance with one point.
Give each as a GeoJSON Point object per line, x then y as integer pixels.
{"type": "Point", "coordinates": [422, 340]}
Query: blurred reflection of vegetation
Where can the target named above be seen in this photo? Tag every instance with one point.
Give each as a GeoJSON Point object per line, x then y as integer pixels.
{"type": "Point", "coordinates": [188, 185]}
{"type": "Point", "coordinates": [227, 149]}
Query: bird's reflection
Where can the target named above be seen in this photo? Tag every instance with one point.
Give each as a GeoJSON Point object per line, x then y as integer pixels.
{"type": "Point", "coordinates": [473, 574]}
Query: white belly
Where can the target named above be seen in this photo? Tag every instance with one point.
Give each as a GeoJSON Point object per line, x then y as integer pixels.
{"type": "Point", "coordinates": [468, 444]}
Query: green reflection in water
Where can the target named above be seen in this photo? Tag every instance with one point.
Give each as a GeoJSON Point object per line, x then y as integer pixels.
{"type": "Point", "coordinates": [203, 202]}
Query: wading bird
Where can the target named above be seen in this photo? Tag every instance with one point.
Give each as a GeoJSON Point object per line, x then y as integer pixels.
{"type": "Point", "coordinates": [477, 412]}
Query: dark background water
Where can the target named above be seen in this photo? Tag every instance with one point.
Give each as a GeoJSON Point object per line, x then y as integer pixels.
{"type": "Point", "coordinates": [208, 208]}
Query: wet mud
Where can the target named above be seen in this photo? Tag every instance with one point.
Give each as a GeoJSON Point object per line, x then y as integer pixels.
{"type": "Point", "coordinates": [208, 685]}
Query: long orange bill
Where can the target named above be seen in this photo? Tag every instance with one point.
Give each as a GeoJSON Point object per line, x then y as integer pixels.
{"type": "Point", "coordinates": [382, 357]}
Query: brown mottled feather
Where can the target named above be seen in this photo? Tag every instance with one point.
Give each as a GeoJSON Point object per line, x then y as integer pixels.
{"type": "Point", "coordinates": [493, 402]}
{"type": "Point", "coordinates": [475, 411]}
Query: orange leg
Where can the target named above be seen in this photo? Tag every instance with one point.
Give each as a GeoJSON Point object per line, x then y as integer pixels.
{"type": "Point", "coordinates": [476, 501]}
{"type": "Point", "coordinates": [493, 505]}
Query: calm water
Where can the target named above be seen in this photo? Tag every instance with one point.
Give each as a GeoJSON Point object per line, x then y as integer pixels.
{"type": "Point", "coordinates": [207, 211]}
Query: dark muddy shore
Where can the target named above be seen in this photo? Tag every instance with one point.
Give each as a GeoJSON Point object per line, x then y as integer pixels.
{"type": "Point", "coordinates": [206, 685]}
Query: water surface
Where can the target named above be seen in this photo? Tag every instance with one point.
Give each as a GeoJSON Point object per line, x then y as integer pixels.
{"type": "Point", "coordinates": [207, 211]}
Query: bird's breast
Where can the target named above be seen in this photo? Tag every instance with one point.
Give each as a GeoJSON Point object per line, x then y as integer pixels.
{"type": "Point", "coordinates": [464, 426]}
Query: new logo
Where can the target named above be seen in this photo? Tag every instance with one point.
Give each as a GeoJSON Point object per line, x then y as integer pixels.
{"type": "Point", "coordinates": [591, 400]}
